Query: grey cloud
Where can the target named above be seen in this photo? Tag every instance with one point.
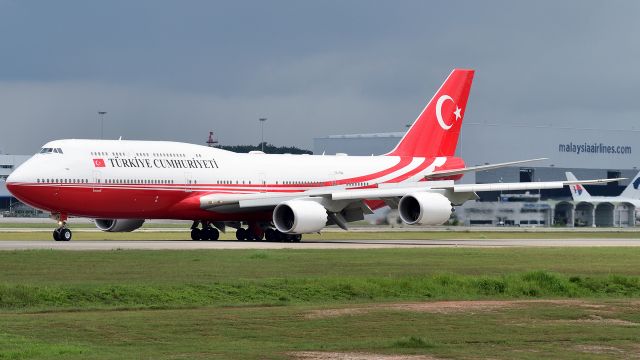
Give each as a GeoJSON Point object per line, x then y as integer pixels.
{"type": "Point", "coordinates": [174, 70]}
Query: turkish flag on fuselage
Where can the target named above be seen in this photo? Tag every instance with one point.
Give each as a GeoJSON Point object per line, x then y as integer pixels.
{"type": "Point", "coordinates": [98, 163]}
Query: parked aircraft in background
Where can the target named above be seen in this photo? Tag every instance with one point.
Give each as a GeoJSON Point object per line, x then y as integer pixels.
{"type": "Point", "coordinates": [630, 195]}
{"type": "Point", "coordinates": [121, 183]}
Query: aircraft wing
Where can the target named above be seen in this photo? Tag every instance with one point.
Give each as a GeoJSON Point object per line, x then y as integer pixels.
{"type": "Point", "coordinates": [456, 193]}
{"type": "Point", "coordinates": [445, 173]}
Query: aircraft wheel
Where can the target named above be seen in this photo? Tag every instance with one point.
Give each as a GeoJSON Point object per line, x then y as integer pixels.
{"type": "Point", "coordinates": [281, 237]}
{"type": "Point", "coordinates": [297, 238]}
{"type": "Point", "coordinates": [241, 234]}
{"type": "Point", "coordinates": [257, 237]}
{"type": "Point", "coordinates": [270, 235]}
{"type": "Point", "coordinates": [213, 234]}
{"type": "Point", "coordinates": [65, 234]}
{"type": "Point", "coordinates": [196, 234]}
{"type": "Point", "coordinates": [56, 234]}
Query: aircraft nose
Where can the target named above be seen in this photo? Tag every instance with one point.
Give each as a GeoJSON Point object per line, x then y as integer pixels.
{"type": "Point", "coordinates": [12, 184]}
{"type": "Point", "coordinates": [20, 184]}
{"type": "Point", "coordinates": [17, 175]}
{"type": "Point", "coordinates": [16, 181]}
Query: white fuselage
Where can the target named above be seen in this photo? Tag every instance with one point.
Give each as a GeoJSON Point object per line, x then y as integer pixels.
{"type": "Point", "coordinates": [75, 176]}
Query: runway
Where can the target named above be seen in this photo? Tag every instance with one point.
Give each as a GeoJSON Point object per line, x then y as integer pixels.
{"type": "Point", "coordinates": [106, 245]}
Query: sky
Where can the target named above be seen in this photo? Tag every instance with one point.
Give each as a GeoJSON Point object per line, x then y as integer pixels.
{"type": "Point", "coordinates": [175, 70]}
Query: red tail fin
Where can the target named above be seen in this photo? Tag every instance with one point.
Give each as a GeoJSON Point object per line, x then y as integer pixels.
{"type": "Point", "coordinates": [436, 131]}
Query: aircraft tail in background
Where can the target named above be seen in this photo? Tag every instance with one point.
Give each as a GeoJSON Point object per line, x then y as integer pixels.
{"type": "Point", "coordinates": [633, 189]}
{"type": "Point", "coordinates": [578, 192]}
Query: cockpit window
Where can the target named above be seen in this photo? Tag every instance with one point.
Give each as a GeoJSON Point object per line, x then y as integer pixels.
{"type": "Point", "coordinates": [51, 150]}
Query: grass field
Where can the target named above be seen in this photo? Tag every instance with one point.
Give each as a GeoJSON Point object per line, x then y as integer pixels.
{"type": "Point", "coordinates": [256, 304]}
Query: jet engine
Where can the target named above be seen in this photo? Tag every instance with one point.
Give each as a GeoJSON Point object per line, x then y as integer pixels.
{"type": "Point", "coordinates": [119, 225]}
{"type": "Point", "coordinates": [424, 208]}
{"type": "Point", "coordinates": [299, 217]}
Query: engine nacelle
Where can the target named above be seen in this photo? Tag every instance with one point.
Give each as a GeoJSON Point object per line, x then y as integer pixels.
{"type": "Point", "coordinates": [118, 225]}
{"type": "Point", "coordinates": [299, 217]}
{"type": "Point", "coordinates": [424, 208]}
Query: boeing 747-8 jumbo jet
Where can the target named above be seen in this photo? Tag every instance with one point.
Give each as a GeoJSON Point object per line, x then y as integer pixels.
{"type": "Point", "coordinates": [121, 183]}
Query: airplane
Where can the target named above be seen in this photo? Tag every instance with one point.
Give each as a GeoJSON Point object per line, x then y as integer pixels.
{"type": "Point", "coordinates": [630, 195]}
{"type": "Point", "coordinates": [277, 197]}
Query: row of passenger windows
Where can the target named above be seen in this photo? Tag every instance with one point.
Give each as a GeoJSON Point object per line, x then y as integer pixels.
{"type": "Point", "coordinates": [138, 181]}
{"type": "Point", "coordinates": [300, 182]}
{"type": "Point", "coordinates": [166, 181]}
{"type": "Point", "coordinates": [106, 153]}
{"type": "Point", "coordinates": [358, 184]}
{"type": "Point", "coordinates": [107, 181]}
{"type": "Point", "coordinates": [69, 181]}
{"type": "Point", "coordinates": [244, 182]}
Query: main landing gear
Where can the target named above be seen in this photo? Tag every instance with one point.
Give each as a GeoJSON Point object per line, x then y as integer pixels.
{"type": "Point", "coordinates": [207, 232]}
{"type": "Point", "coordinates": [255, 233]}
{"type": "Point", "coordinates": [62, 233]}
{"type": "Point", "coordinates": [203, 230]}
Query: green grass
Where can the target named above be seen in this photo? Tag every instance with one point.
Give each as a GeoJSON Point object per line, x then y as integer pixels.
{"type": "Point", "coordinates": [255, 304]}
{"type": "Point", "coordinates": [326, 290]}
{"type": "Point", "coordinates": [46, 279]}
{"type": "Point", "coordinates": [530, 331]}
{"type": "Point", "coordinates": [153, 267]}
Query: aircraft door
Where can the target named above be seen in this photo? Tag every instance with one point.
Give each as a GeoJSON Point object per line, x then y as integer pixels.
{"type": "Point", "coordinates": [188, 182]}
{"type": "Point", "coordinates": [97, 181]}
{"type": "Point", "coordinates": [263, 182]}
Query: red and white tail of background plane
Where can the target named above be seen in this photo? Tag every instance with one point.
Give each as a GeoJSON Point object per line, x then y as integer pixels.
{"type": "Point", "coordinates": [278, 197]}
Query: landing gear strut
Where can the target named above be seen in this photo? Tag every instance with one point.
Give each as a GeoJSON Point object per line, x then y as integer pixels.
{"type": "Point", "coordinates": [62, 233]}
{"type": "Point", "coordinates": [207, 232]}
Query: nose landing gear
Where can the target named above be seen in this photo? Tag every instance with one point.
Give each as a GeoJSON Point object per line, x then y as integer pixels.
{"type": "Point", "coordinates": [62, 233]}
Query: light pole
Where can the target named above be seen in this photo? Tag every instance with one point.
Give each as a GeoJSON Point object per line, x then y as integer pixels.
{"type": "Point", "coordinates": [262, 120]}
{"type": "Point", "coordinates": [101, 114]}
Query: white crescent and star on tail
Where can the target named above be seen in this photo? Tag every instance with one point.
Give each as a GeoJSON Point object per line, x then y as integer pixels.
{"type": "Point", "coordinates": [439, 104]}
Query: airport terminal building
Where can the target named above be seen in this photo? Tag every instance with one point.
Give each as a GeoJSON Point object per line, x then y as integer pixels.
{"type": "Point", "coordinates": [589, 153]}
{"type": "Point", "coordinates": [7, 164]}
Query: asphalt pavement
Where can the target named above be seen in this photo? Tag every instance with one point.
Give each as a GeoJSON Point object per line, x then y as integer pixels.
{"type": "Point", "coordinates": [332, 244]}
